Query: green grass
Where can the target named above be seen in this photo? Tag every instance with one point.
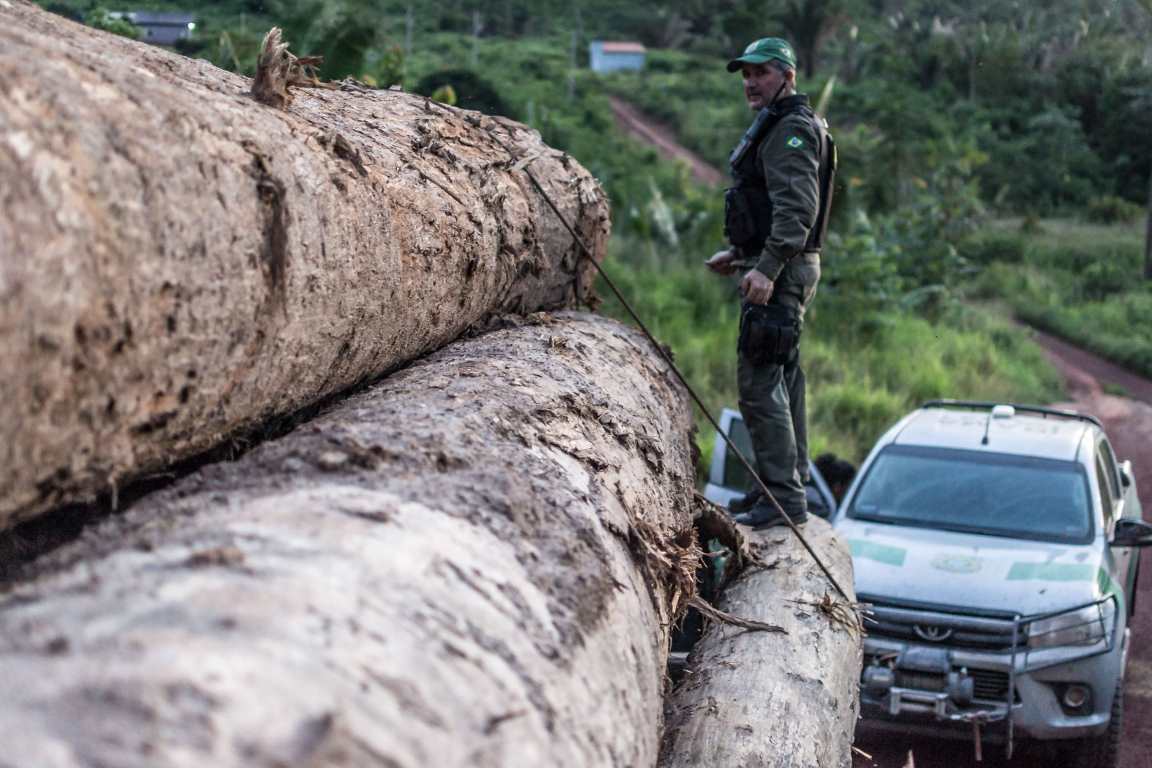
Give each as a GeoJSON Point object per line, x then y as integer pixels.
{"type": "Point", "coordinates": [1114, 389]}
{"type": "Point", "coordinates": [1083, 282]}
{"type": "Point", "coordinates": [864, 371]}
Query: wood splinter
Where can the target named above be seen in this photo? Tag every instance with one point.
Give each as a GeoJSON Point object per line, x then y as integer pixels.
{"type": "Point", "coordinates": [277, 69]}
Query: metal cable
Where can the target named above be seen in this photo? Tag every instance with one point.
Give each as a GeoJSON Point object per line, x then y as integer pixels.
{"type": "Point", "coordinates": [674, 368]}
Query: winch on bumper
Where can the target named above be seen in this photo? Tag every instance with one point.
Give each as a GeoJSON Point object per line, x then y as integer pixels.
{"type": "Point", "coordinates": [926, 681]}
{"type": "Point", "coordinates": [965, 670]}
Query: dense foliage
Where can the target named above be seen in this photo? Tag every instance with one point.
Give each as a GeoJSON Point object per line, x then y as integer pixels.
{"type": "Point", "coordinates": [100, 18]}
{"type": "Point", "coordinates": [950, 116]}
{"type": "Point", "coordinates": [1049, 103]}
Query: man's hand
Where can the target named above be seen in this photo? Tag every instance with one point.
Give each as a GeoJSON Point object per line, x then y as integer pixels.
{"type": "Point", "coordinates": [721, 262]}
{"type": "Point", "coordinates": [756, 287]}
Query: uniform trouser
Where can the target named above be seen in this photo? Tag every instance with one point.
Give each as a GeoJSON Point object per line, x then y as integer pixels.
{"type": "Point", "coordinates": [772, 397]}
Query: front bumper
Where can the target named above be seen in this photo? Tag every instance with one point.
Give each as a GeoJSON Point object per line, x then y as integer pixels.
{"type": "Point", "coordinates": [913, 704]}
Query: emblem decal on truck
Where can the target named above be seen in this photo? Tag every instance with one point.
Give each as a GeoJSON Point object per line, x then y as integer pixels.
{"type": "Point", "coordinates": [956, 564]}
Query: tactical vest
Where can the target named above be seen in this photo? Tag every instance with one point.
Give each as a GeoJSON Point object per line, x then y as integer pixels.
{"type": "Point", "coordinates": [747, 207]}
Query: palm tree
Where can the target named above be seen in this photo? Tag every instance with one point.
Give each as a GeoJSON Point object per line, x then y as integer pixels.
{"type": "Point", "coordinates": [808, 23]}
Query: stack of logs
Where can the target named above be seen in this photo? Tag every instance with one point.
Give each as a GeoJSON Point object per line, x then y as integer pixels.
{"type": "Point", "coordinates": [472, 530]}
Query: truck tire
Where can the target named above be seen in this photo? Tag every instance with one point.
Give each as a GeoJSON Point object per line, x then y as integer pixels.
{"type": "Point", "coordinates": [1134, 591]}
{"type": "Point", "coordinates": [1103, 751]}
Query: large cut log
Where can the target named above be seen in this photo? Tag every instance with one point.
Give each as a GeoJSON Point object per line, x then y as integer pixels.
{"type": "Point", "coordinates": [474, 563]}
{"type": "Point", "coordinates": [782, 699]}
{"type": "Point", "coordinates": [179, 263]}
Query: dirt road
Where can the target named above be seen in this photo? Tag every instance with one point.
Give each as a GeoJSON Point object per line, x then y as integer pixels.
{"type": "Point", "coordinates": [1129, 424]}
{"type": "Point", "coordinates": [1128, 421]}
{"type": "Point", "coordinates": [637, 124]}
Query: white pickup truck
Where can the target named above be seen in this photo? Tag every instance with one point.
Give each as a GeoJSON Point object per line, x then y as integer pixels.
{"type": "Point", "coordinates": [998, 547]}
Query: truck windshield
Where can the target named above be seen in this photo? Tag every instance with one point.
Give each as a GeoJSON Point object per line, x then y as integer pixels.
{"type": "Point", "coordinates": [976, 492]}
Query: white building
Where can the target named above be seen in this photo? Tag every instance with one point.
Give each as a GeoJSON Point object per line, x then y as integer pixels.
{"type": "Point", "coordinates": [607, 56]}
{"type": "Point", "coordinates": [159, 28]}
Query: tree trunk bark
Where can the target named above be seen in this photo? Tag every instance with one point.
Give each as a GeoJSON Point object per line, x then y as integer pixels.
{"type": "Point", "coordinates": [755, 698]}
{"type": "Point", "coordinates": [474, 563]}
{"type": "Point", "coordinates": [179, 264]}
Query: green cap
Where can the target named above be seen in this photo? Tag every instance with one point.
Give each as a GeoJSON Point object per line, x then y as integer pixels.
{"type": "Point", "coordinates": [764, 49]}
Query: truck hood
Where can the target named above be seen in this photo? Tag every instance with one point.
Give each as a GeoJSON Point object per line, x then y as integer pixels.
{"type": "Point", "coordinates": [970, 572]}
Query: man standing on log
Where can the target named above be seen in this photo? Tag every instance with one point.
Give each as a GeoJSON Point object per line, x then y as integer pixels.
{"type": "Point", "coordinates": [775, 218]}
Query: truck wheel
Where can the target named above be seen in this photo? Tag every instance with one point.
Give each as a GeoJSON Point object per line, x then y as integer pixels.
{"type": "Point", "coordinates": [1103, 751]}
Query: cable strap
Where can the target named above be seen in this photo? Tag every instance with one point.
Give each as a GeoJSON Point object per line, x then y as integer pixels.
{"type": "Point", "coordinates": [522, 165]}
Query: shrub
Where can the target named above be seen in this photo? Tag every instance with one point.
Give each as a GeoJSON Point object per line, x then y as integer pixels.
{"type": "Point", "coordinates": [1004, 247]}
{"type": "Point", "coordinates": [472, 90]}
{"type": "Point", "coordinates": [101, 19]}
{"type": "Point", "coordinates": [1104, 278]}
{"type": "Point", "coordinates": [65, 10]}
{"type": "Point", "coordinates": [190, 46]}
{"type": "Point", "coordinates": [1069, 257]}
{"type": "Point", "coordinates": [1111, 209]}
{"type": "Point", "coordinates": [847, 418]}
{"type": "Point", "coordinates": [1030, 225]}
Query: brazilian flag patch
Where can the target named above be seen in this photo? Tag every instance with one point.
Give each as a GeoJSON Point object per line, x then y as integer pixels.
{"type": "Point", "coordinates": [795, 142]}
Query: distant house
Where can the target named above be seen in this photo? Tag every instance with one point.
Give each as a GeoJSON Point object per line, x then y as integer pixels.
{"type": "Point", "coordinates": [159, 28]}
{"type": "Point", "coordinates": [615, 56]}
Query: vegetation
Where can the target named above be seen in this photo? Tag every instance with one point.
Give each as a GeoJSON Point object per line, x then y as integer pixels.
{"type": "Point", "coordinates": [864, 370]}
{"type": "Point", "coordinates": [100, 19]}
{"type": "Point", "coordinates": [952, 118]}
{"type": "Point", "coordinates": [1080, 281]}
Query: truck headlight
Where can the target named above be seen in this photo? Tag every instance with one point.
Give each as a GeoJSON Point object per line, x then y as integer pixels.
{"type": "Point", "coordinates": [1083, 626]}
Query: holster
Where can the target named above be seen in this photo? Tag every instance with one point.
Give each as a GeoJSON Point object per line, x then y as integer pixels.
{"type": "Point", "coordinates": [769, 334]}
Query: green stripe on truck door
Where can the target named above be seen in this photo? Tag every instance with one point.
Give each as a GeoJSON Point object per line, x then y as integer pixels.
{"type": "Point", "coordinates": [1050, 572]}
{"type": "Point", "coordinates": [881, 553]}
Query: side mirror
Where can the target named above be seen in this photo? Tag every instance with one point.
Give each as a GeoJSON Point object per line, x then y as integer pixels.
{"type": "Point", "coordinates": [1126, 474]}
{"type": "Point", "coordinates": [1132, 533]}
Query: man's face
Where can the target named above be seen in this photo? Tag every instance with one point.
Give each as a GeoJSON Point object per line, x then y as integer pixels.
{"type": "Point", "coordinates": [761, 82]}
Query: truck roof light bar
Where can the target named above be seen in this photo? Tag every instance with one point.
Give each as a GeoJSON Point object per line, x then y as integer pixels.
{"type": "Point", "coordinates": [988, 405]}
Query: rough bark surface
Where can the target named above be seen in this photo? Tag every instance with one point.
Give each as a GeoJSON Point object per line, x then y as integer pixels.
{"type": "Point", "coordinates": [754, 698]}
{"type": "Point", "coordinates": [179, 263]}
{"type": "Point", "coordinates": [474, 563]}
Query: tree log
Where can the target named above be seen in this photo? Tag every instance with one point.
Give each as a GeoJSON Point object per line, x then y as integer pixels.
{"type": "Point", "coordinates": [179, 263]}
{"type": "Point", "coordinates": [779, 699]}
{"type": "Point", "coordinates": [474, 563]}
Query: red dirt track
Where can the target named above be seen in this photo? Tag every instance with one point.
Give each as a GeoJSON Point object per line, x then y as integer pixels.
{"type": "Point", "coordinates": [1128, 421]}
{"type": "Point", "coordinates": [664, 141]}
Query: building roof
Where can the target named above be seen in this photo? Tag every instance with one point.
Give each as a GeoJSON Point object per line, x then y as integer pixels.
{"type": "Point", "coordinates": [1023, 434]}
{"type": "Point", "coordinates": [622, 47]}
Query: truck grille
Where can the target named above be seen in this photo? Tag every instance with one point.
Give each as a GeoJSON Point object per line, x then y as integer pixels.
{"type": "Point", "coordinates": [990, 683]}
{"type": "Point", "coordinates": [953, 630]}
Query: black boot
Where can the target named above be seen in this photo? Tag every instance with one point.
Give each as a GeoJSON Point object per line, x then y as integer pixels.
{"type": "Point", "coordinates": [764, 515]}
{"type": "Point", "coordinates": [745, 502]}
